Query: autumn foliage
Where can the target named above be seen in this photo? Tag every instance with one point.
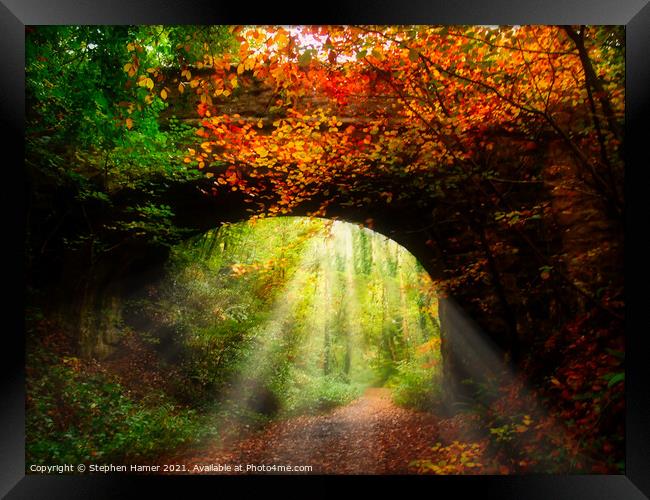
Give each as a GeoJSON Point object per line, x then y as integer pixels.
{"type": "Point", "coordinates": [498, 149]}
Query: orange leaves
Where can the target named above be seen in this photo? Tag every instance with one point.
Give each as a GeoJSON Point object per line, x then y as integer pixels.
{"type": "Point", "coordinates": [431, 345]}
{"type": "Point", "coordinates": [131, 68]}
{"type": "Point", "coordinates": [281, 39]}
{"type": "Point", "coordinates": [414, 103]}
{"type": "Point", "coordinates": [239, 269]}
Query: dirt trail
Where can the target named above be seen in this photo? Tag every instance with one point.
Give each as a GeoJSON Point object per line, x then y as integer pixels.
{"type": "Point", "coordinates": [368, 436]}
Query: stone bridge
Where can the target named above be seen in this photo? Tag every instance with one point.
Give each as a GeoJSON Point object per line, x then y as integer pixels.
{"type": "Point", "coordinates": [415, 221]}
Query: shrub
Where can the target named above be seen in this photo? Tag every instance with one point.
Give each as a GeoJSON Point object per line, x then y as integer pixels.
{"type": "Point", "coordinates": [415, 386]}
{"type": "Point", "coordinates": [74, 415]}
{"type": "Point", "coordinates": [315, 395]}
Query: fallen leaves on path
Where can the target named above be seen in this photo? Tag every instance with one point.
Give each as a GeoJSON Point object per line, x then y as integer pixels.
{"type": "Point", "coordinates": [369, 436]}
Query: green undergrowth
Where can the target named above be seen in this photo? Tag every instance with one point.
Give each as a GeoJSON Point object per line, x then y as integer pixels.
{"type": "Point", "coordinates": [415, 386]}
{"type": "Point", "coordinates": [75, 415]}
{"type": "Point", "coordinates": [315, 395]}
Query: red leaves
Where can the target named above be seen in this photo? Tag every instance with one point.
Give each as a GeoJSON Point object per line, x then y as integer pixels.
{"type": "Point", "coordinates": [202, 109]}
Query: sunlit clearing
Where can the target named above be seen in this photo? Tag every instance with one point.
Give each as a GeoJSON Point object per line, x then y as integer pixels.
{"type": "Point", "coordinates": [322, 310]}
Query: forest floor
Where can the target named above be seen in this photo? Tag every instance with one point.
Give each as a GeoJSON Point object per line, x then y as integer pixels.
{"type": "Point", "coordinates": [368, 436]}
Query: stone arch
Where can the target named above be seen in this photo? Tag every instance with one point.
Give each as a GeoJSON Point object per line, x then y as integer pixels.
{"type": "Point", "coordinates": [409, 220]}
{"type": "Point", "coordinates": [135, 265]}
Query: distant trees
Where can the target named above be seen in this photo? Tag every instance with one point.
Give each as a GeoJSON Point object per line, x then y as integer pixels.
{"type": "Point", "coordinates": [302, 290]}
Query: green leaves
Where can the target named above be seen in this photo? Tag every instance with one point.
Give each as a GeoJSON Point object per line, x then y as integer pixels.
{"type": "Point", "coordinates": [305, 58]}
{"type": "Point", "coordinates": [614, 378]}
{"type": "Point", "coordinates": [75, 415]}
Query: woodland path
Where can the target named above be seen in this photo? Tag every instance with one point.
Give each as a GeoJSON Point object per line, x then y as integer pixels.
{"type": "Point", "coordinates": [368, 436]}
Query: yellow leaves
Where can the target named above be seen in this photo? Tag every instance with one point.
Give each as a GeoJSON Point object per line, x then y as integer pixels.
{"type": "Point", "coordinates": [260, 124]}
{"type": "Point", "coordinates": [145, 81]}
{"type": "Point", "coordinates": [206, 146]}
{"type": "Point", "coordinates": [240, 69]}
{"type": "Point", "coordinates": [209, 175]}
{"type": "Point", "coordinates": [181, 88]}
{"type": "Point", "coordinates": [281, 39]}
{"type": "Point", "coordinates": [72, 362]}
{"type": "Point", "coordinates": [187, 74]}
{"type": "Point", "coordinates": [129, 123]}
{"type": "Point", "coordinates": [130, 69]}
{"type": "Point", "coordinates": [454, 458]}
{"type": "Point", "coordinates": [261, 151]}
{"type": "Point", "coordinates": [249, 63]}
{"type": "Point", "coordinates": [130, 47]}
{"type": "Point", "coordinates": [163, 94]}
{"type": "Point", "coordinates": [378, 53]}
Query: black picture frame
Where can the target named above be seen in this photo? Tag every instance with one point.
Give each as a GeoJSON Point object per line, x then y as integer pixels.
{"type": "Point", "coordinates": [16, 14]}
